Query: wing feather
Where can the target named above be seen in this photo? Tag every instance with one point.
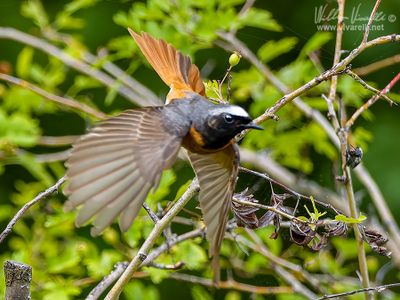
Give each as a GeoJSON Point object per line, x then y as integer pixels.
{"type": "Point", "coordinates": [217, 174]}
{"type": "Point", "coordinates": [113, 167]}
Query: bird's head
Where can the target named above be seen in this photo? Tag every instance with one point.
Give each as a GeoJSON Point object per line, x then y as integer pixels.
{"type": "Point", "coordinates": [224, 122]}
{"type": "Point", "coordinates": [230, 118]}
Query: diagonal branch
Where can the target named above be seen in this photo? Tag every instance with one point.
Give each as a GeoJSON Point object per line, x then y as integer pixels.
{"type": "Point", "coordinates": [51, 190]}
{"type": "Point", "coordinates": [151, 239]}
{"type": "Point", "coordinates": [57, 99]}
{"type": "Point", "coordinates": [376, 289]}
{"type": "Point", "coordinates": [133, 95]}
{"type": "Point", "coordinates": [371, 101]}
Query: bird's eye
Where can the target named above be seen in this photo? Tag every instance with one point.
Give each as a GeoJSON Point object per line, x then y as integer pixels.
{"type": "Point", "coordinates": [228, 118]}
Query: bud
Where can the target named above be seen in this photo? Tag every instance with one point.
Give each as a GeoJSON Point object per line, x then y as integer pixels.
{"type": "Point", "coordinates": [234, 59]}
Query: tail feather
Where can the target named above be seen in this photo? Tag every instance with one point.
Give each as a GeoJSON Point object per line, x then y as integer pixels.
{"type": "Point", "coordinates": [216, 270]}
{"type": "Point", "coordinates": [174, 68]}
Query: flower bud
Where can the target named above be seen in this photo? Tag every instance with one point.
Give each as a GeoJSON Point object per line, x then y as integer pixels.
{"type": "Point", "coordinates": [234, 59]}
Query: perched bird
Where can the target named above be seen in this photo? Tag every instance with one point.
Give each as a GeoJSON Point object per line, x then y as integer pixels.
{"type": "Point", "coordinates": [112, 168]}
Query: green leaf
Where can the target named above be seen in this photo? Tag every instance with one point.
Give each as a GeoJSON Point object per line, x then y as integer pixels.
{"type": "Point", "coordinates": [138, 291]}
{"type": "Point", "coordinates": [200, 293]}
{"type": "Point", "coordinates": [191, 254]}
{"type": "Point", "coordinates": [37, 169]}
{"type": "Point", "coordinates": [349, 220]}
{"type": "Point", "coordinates": [157, 275]}
{"type": "Point", "coordinates": [259, 18]}
{"type": "Point", "coordinates": [315, 215]}
{"type": "Point", "coordinates": [33, 9]}
{"type": "Point", "coordinates": [18, 129]}
{"type": "Point", "coordinates": [272, 49]}
{"type": "Point", "coordinates": [24, 62]}
{"type": "Point", "coordinates": [315, 42]}
{"type": "Point", "coordinates": [167, 179]}
{"type": "Point", "coordinates": [233, 295]}
{"type": "Point", "coordinates": [182, 189]}
{"type": "Point", "coordinates": [26, 102]}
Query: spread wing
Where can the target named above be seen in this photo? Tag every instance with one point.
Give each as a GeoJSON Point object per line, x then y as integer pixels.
{"type": "Point", "coordinates": [174, 68]}
{"type": "Point", "coordinates": [217, 173]}
{"type": "Point", "coordinates": [113, 167]}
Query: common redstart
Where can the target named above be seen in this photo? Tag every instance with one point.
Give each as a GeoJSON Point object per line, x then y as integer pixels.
{"type": "Point", "coordinates": [112, 168]}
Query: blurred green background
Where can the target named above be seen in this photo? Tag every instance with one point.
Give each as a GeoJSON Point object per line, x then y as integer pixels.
{"type": "Point", "coordinates": [64, 257]}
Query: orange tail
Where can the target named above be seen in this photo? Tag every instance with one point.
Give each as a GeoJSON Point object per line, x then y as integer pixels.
{"type": "Point", "coordinates": [174, 68]}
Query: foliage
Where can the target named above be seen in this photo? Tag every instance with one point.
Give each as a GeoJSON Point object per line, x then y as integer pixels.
{"type": "Point", "coordinates": [67, 261]}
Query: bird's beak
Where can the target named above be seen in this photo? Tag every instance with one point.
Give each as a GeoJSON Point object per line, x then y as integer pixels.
{"type": "Point", "coordinates": [253, 126]}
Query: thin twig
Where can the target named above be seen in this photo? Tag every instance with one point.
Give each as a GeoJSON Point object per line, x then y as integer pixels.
{"type": "Point", "coordinates": [165, 246]}
{"type": "Point", "coordinates": [291, 95]}
{"type": "Point", "coordinates": [57, 99]}
{"type": "Point", "coordinates": [56, 141]}
{"type": "Point", "coordinates": [27, 39]}
{"type": "Point", "coordinates": [232, 284]}
{"type": "Point", "coordinates": [22, 211]}
{"type": "Point", "coordinates": [371, 101]}
{"type": "Point", "coordinates": [382, 208]}
{"type": "Point", "coordinates": [176, 266]}
{"type": "Point", "coordinates": [289, 190]}
{"type": "Point", "coordinates": [370, 20]}
{"type": "Point", "coordinates": [377, 289]}
{"type": "Point", "coordinates": [151, 214]}
{"type": "Point", "coordinates": [107, 65]}
{"type": "Point", "coordinates": [269, 208]}
{"type": "Point", "coordinates": [368, 87]}
{"type": "Point", "coordinates": [280, 264]}
{"type": "Point", "coordinates": [120, 267]}
{"type": "Point", "coordinates": [338, 50]}
{"type": "Point", "coordinates": [103, 285]}
{"type": "Point", "coordinates": [264, 162]}
{"type": "Point", "coordinates": [151, 239]}
{"type": "Point", "coordinates": [375, 66]}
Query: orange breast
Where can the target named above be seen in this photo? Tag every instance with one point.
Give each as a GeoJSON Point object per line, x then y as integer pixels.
{"type": "Point", "coordinates": [195, 143]}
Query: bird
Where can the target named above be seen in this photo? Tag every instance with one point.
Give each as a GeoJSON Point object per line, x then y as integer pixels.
{"type": "Point", "coordinates": [112, 168]}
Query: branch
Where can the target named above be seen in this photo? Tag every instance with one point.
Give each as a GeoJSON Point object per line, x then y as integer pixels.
{"type": "Point", "coordinates": [294, 193]}
{"type": "Point", "coordinates": [368, 87]}
{"type": "Point", "coordinates": [371, 101]}
{"type": "Point", "coordinates": [384, 212]}
{"type": "Point", "coordinates": [278, 264]}
{"type": "Point", "coordinates": [120, 267]}
{"type": "Point", "coordinates": [108, 66]}
{"type": "Point", "coordinates": [21, 212]}
{"type": "Point", "coordinates": [232, 284]}
{"type": "Point", "coordinates": [57, 99]}
{"type": "Point", "coordinates": [291, 95]}
{"type": "Point", "coordinates": [18, 278]}
{"type": "Point", "coordinates": [56, 141]}
{"type": "Point", "coordinates": [371, 19]}
{"type": "Point", "coordinates": [104, 284]}
{"type": "Point", "coordinates": [386, 62]}
{"type": "Point", "coordinates": [27, 39]}
{"type": "Point", "coordinates": [338, 50]}
{"type": "Point", "coordinates": [151, 239]}
{"type": "Point", "coordinates": [377, 289]}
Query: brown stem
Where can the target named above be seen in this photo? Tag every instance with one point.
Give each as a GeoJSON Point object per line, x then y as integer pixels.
{"type": "Point", "coordinates": [57, 99]}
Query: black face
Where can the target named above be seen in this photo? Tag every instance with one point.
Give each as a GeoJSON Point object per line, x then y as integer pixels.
{"type": "Point", "coordinates": [223, 127]}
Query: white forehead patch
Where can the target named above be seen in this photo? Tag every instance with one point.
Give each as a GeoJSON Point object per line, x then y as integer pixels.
{"type": "Point", "coordinates": [233, 110]}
